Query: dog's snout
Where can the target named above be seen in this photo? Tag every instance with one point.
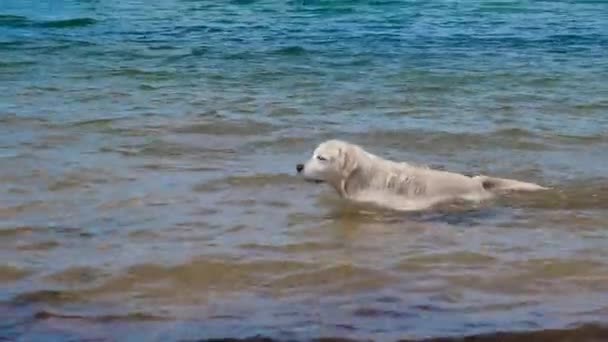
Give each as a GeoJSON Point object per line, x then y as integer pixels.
{"type": "Point", "coordinates": [300, 167]}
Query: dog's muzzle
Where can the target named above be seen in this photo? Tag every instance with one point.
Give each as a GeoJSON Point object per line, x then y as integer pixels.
{"type": "Point", "coordinates": [300, 168]}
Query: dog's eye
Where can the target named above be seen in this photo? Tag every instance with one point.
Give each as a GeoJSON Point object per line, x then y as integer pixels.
{"type": "Point", "coordinates": [321, 158]}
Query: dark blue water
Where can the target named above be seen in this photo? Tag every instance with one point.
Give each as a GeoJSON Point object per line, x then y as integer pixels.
{"type": "Point", "coordinates": [147, 152]}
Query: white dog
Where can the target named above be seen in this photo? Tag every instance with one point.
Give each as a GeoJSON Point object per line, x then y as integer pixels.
{"type": "Point", "coordinates": [361, 176]}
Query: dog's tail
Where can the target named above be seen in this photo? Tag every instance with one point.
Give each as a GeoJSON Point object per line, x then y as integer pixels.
{"type": "Point", "coordinates": [502, 184]}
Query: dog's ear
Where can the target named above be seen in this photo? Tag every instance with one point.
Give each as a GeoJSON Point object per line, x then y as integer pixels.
{"type": "Point", "coordinates": [347, 164]}
{"type": "Point", "coordinates": [347, 160]}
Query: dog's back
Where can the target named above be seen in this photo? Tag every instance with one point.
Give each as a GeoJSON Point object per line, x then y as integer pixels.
{"type": "Point", "coordinates": [400, 184]}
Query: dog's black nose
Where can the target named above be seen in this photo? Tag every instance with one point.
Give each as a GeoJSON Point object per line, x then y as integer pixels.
{"type": "Point", "coordinates": [300, 167]}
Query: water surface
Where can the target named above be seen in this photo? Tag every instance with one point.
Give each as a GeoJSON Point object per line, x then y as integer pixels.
{"type": "Point", "coordinates": [148, 151]}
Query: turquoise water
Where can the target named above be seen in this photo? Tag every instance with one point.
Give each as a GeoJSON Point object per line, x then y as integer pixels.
{"type": "Point", "coordinates": [147, 153]}
{"type": "Point", "coordinates": [481, 63]}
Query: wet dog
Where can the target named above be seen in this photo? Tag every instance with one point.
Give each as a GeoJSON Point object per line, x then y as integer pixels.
{"type": "Point", "coordinates": [362, 176]}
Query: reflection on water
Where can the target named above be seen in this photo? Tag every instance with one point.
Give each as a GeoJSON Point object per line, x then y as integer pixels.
{"type": "Point", "coordinates": [147, 156]}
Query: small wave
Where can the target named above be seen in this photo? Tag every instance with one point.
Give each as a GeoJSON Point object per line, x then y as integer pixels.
{"type": "Point", "coordinates": [96, 123]}
{"type": "Point", "coordinates": [22, 208]}
{"type": "Point", "coordinates": [253, 181]}
{"type": "Point", "coordinates": [17, 232]}
{"type": "Point", "coordinates": [223, 127]}
{"type": "Point", "coordinates": [170, 149]}
{"type": "Point", "coordinates": [288, 144]}
{"type": "Point", "coordinates": [136, 316]}
{"type": "Point", "coordinates": [191, 278]}
{"type": "Point", "coordinates": [148, 87]}
{"type": "Point", "coordinates": [82, 178]}
{"type": "Point", "coordinates": [323, 8]}
{"type": "Point", "coordinates": [199, 51]}
{"type": "Point", "coordinates": [512, 138]}
{"type": "Point", "coordinates": [502, 7]}
{"type": "Point", "coordinates": [515, 133]}
{"type": "Point", "coordinates": [580, 139]}
{"type": "Point", "coordinates": [24, 232]}
{"type": "Point", "coordinates": [582, 194]}
{"type": "Point", "coordinates": [76, 275]}
{"type": "Point", "coordinates": [580, 333]}
{"type": "Point", "coordinates": [340, 277]}
{"type": "Point", "coordinates": [243, 55]}
{"type": "Point", "coordinates": [39, 246]}
{"type": "Point", "coordinates": [448, 259]}
{"type": "Point", "coordinates": [516, 139]}
{"type": "Point", "coordinates": [68, 23]}
{"type": "Point", "coordinates": [16, 65]}
{"type": "Point", "coordinates": [47, 296]}
{"type": "Point", "coordinates": [374, 312]}
{"type": "Point", "coordinates": [304, 247]}
{"type": "Point", "coordinates": [17, 21]}
{"type": "Point", "coordinates": [14, 21]}
{"type": "Point", "coordinates": [291, 51]}
{"type": "Point", "coordinates": [143, 74]}
{"type": "Point", "coordinates": [9, 273]}
{"type": "Point", "coordinates": [10, 45]}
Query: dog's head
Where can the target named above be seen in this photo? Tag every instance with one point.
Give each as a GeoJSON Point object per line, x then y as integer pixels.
{"type": "Point", "coordinates": [332, 161]}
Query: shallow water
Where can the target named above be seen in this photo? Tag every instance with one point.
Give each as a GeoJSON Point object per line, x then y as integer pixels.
{"type": "Point", "coordinates": [148, 151]}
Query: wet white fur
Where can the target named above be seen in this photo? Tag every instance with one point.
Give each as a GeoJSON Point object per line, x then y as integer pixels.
{"type": "Point", "coordinates": [361, 176]}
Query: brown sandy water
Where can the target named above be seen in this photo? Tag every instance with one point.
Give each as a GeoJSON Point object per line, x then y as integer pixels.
{"type": "Point", "coordinates": [148, 152]}
{"type": "Point", "coordinates": [201, 229]}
